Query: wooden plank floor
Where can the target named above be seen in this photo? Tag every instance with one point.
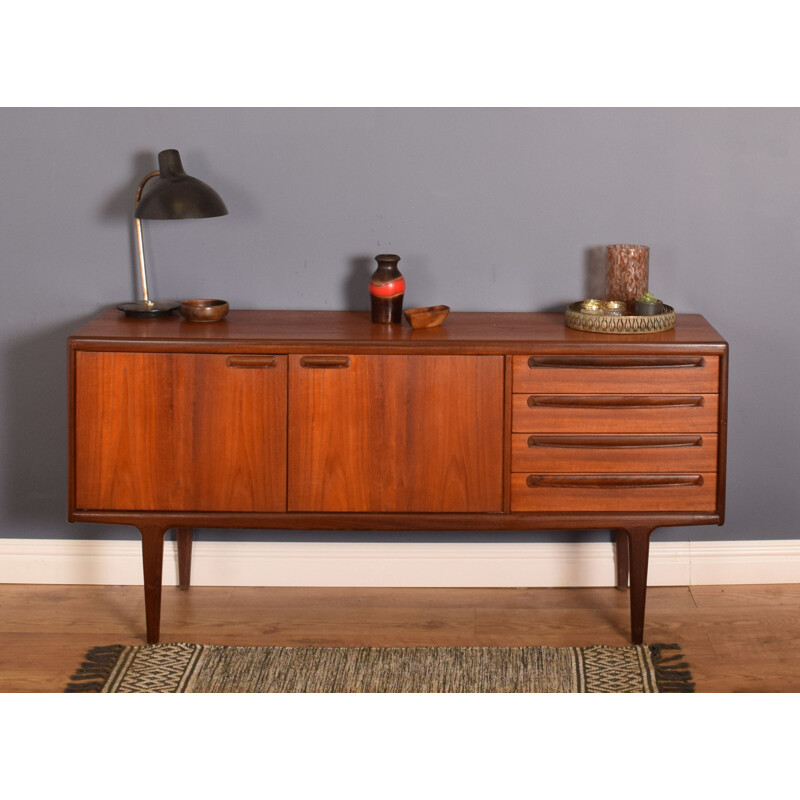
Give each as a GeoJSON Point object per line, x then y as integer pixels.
{"type": "Point", "coordinates": [735, 638]}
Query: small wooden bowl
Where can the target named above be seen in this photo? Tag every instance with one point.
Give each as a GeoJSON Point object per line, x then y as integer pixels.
{"type": "Point", "coordinates": [428, 317]}
{"type": "Point", "coordinates": [204, 310]}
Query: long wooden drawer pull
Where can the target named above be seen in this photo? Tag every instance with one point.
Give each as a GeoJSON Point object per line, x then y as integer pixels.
{"type": "Point", "coordinates": [614, 362]}
{"type": "Point", "coordinates": [611, 481]}
{"type": "Point", "coordinates": [614, 401]}
{"type": "Point", "coordinates": [252, 362]}
{"type": "Point", "coordinates": [614, 442]}
{"type": "Point", "coordinates": [325, 362]}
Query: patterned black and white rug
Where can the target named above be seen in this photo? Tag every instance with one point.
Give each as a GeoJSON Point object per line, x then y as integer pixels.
{"type": "Point", "coordinates": [198, 668]}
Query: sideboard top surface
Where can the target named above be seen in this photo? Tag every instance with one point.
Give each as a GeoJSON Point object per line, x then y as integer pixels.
{"type": "Point", "coordinates": [501, 331]}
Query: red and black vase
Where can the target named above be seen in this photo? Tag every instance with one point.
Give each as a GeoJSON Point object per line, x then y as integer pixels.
{"type": "Point", "coordinates": [387, 287]}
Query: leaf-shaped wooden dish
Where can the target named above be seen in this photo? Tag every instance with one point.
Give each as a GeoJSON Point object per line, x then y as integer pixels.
{"type": "Point", "coordinates": [427, 317]}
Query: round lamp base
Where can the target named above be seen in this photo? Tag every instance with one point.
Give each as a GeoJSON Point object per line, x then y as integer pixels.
{"type": "Point", "coordinates": [142, 309]}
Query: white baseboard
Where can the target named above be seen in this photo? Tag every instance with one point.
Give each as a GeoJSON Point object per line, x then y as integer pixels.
{"type": "Point", "coordinates": [532, 564]}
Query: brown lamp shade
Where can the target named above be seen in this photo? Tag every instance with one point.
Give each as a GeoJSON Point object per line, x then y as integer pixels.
{"type": "Point", "coordinates": [176, 195]}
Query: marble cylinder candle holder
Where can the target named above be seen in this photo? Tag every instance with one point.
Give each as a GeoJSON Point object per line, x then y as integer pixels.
{"type": "Point", "coordinates": [627, 272]}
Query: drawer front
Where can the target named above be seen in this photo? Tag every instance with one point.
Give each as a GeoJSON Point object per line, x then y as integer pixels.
{"type": "Point", "coordinates": [613, 493]}
{"type": "Point", "coordinates": [555, 413]}
{"type": "Point", "coordinates": [548, 453]}
{"type": "Point", "coordinates": [599, 374]}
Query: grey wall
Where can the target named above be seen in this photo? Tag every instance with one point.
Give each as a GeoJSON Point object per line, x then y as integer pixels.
{"type": "Point", "coordinates": [492, 209]}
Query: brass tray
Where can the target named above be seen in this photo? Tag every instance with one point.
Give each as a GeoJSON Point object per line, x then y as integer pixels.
{"type": "Point", "coordinates": [606, 323]}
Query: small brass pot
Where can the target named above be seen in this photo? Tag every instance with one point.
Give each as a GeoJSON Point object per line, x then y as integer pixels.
{"type": "Point", "coordinates": [592, 306]}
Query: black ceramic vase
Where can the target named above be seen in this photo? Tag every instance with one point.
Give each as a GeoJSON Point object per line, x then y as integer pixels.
{"type": "Point", "coordinates": [387, 287]}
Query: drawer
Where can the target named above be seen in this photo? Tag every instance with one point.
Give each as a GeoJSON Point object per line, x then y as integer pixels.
{"type": "Point", "coordinates": [597, 374]}
{"type": "Point", "coordinates": [614, 493]}
{"type": "Point", "coordinates": [608, 453]}
{"type": "Point", "coordinates": [587, 413]}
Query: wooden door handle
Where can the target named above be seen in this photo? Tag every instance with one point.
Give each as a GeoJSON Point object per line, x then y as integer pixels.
{"type": "Point", "coordinates": [611, 481]}
{"type": "Point", "coordinates": [325, 362]}
{"type": "Point", "coordinates": [614, 362]}
{"type": "Point", "coordinates": [614, 442]}
{"type": "Point", "coordinates": [614, 401]}
{"type": "Point", "coordinates": [252, 362]}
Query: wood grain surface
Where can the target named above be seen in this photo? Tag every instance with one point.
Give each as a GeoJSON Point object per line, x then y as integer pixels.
{"type": "Point", "coordinates": [613, 492]}
{"type": "Point", "coordinates": [593, 374]}
{"type": "Point", "coordinates": [495, 332]}
{"type": "Point", "coordinates": [610, 453]}
{"type": "Point", "coordinates": [182, 432]}
{"type": "Point", "coordinates": [396, 433]}
{"type": "Point", "coordinates": [735, 638]}
{"type": "Point", "coordinates": [619, 413]}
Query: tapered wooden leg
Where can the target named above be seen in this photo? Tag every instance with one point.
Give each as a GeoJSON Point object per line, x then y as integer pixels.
{"type": "Point", "coordinates": [639, 540]}
{"type": "Point", "coordinates": [152, 561]}
{"type": "Point", "coordinates": [184, 557]}
{"type": "Point", "coordinates": [622, 560]}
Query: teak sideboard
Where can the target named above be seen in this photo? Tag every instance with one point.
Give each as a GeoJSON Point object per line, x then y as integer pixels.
{"type": "Point", "coordinates": [322, 420]}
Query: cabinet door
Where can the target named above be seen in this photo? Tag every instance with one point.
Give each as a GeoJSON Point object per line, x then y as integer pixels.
{"type": "Point", "coordinates": [180, 432]}
{"type": "Point", "coordinates": [396, 433]}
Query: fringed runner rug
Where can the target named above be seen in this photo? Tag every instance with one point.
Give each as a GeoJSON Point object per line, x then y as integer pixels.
{"type": "Point", "coordinates": [213, 668]}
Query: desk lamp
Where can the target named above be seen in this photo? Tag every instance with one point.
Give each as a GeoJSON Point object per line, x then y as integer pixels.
{"type": "Point", "coordinates": [174, 195]}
